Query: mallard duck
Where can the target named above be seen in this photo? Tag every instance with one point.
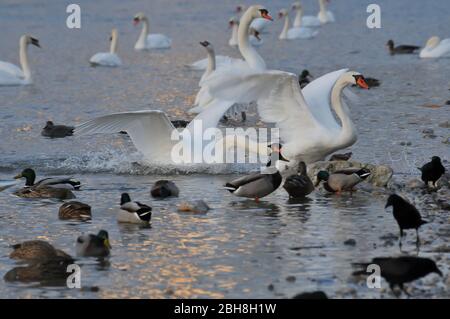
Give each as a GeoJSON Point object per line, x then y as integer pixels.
{"type": "Point", "coordinates": [299, 185]}
{"type": "Point", "coordinates": [401, 49]}
{"type": "Point", "coordinates": [341, 157]}
{"type": "Point", "coordinates": [406, 215]}
{"type": "Point", "coordinates": [133, 212]}
{"type": "Point", "coordinates": [259, 184]}
{"type": "Point", "coordinates": [93, 245]}
{"type": "Point", "coordinates": [37, 250]}
{"type": "Point", "coordinates": [75, 210]}
{"type": "Point", "coordinates": [344, 180]}
{"type": "Point", "coordinates": [304, 78]}
{"type": "Point", "coordinates": [47, 273]}
{"type": "Point", "coordinates": [163, 189]}
{"type": "Point", "coordinates": [432, 171]}
{"type": "Point", "coordinates": [47, 188]}
{"type": "Point", "coordinates": [56, 131]}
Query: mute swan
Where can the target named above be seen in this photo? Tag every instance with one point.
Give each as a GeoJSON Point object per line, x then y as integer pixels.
{"type": "Point", "coordinates": [148, 41]}
{"type": "Point", "coordinates": [10, 74]}
{"type": "Point", "coordinates": [108, 58]}
{"type": "Point", "coordinates": [304, 21]}
{"type": "Point", "coordinates": [325, 16]}
{"type": "Point", "coordinates": [435, 48]}
{"type": "Point", "coordinates": [281, 101]}
{"type": "Point", "coordinates": [401, 49]}
{"type": "Point", "coordinates": [259, 24]}
{"type": "Point", "coordinates": [294, 33]}
{"type": "Point", "coordinates": [255, 40]}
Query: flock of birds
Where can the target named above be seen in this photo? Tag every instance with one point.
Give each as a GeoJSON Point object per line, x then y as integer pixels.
{"type": "Point", "coordinates": [296, 105]}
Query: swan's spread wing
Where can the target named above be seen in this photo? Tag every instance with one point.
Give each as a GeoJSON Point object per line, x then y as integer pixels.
{"type": "Point", "coordinates": [278, 96]}
{"type": "Point", "coordinates": [14, 70]}
{"type": "Point", "coordinates": [149, 130]}
{"type": "Point", "coordinates": [318, 97]}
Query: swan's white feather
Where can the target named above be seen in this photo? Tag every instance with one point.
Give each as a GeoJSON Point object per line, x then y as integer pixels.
{"type": "Point", "coordinates": [105, 59]}
{"type": "Point", "coordinates": [260, 24]}
{"type": "Point", "coordinates": [311, 21]}
{"type": "Point", "coordinates": [318, 97]}
{"type": "Point", "coordinates": [13, 69]}
{"type": "Point", "coordinates": [301, 33]}
{"type": "Point", "coordinates": [158, 41]}
{"type": "Point", "coordinates": [149, 130]}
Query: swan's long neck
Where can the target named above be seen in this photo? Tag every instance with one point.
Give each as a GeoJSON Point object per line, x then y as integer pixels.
{"type": "Point", "coordinates": [144, 31]}
{"type": "Point", "coordinates": [347, 135]}
{"type": "Point", "coordinates": [211, 62]}
{"type": "Point", "coordinates": [284, 33]}
{"type": "Point", "coordinates": [24, 58]}
{"type": "Point", "coordinates": [113, 48]}
{"type": "Point", "coordinates": [298, 19]}
{"type": "Point", "coordinates": [323, 6]}
{"type": "Point", "coordinates": [249, 53]}
{"type": "Point", "coordinates": [234, 34]}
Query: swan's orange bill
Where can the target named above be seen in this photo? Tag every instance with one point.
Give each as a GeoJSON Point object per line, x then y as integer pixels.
{"type": "Point", "coordinates": [267, 16]}
{"type": "Point", "coordinates": [362, 83]}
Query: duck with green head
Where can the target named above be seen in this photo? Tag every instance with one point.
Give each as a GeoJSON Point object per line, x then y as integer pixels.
{"type": "Point", "coordinates": [47, 188]}
{"type": "Point", "coordinates": [299, 185]}
{"type": "Point", "coordinates": [93, 245]}
{"type": "Point", "coordinates": [344, 180]}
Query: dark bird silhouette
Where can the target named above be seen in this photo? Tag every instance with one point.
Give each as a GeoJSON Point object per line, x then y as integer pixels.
{"type": "Point", "coordinates": [180, 123]}
{"type": "Point", "coordinates": [400, 270]}
{"type": "Point", "coordinates": [341, 157]}
{"type": "Point", "coordinates": [406, 215]}
{"type": "Point", "coordinates": [401, 49]}
{"type": "Point", "coordinates": [299, 185]}
{"type": "Point", "coordinates": [432, 171]}
{"type": "Point", "coordinates": [311, 295]}
{"type": "Point", "coordinates": [56, 131]}
{"type": "Point", "coordinates": [304, 78]}
{"type": "Point", "coordinates": [163, 189]}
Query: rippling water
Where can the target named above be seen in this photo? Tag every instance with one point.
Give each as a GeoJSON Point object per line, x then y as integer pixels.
{"type": "Point", "coordinates": [239, 248]}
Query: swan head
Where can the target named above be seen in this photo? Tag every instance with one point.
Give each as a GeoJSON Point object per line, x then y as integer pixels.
{"type": "Point", "coordinates": [433, 42]}
{"type": "Point", "coordinates": [208, 46]}
{"type": "Point", "coordinates": [138, 18]}
{"type": "Point", "coordinates": [114, 34]}
{"type": "Point", "coordinates": [257, 12]}
{"type": "Point", "coordinates": [28, 39]}
{"type": "Point", "coordinates": [355, 78]}
{"type": "Point", "coordinates": [296, 6]}
{"type": "Point", "coordinates": [282, 13]}
{"type": "Point", "coordinates": [254, 33]}
{"type": "Point", "coordinates": [233, 21]}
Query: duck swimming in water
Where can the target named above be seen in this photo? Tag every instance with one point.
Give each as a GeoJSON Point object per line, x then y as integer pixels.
{"type": "Point", "coordinates": [344, 180]}
{"type": "Point", "coordinates": [56, 131]}
{"type": "Point", "coordinates": [259, 184]}
{"type": "Point", "coordinates": [93, 245]}
{"type": "Point", "coordinates": [75, 210]}
{"type": "Point", "coordinates": [133, 212]}
{"type": "Point", "coordinates": [163, 189]}
{"type": "Point", "coordinates": [401, 49]}
{"type": "Point", "coordinates": [59, 188]}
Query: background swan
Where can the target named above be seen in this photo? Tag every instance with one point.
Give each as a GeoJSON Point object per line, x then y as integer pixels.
{"type": "Point", "coordinates": [325, 16]}
{"type": "Point", "coordinates": [304, 21]}
{"type": "Point", "coordinates": [11, 74]}
{"type": "Point", "coordinates": [435, 48]}
{"type": "Point", "coordinates": [108, 58]}
{"type": "Point", "coordinates": [294, 33]}
{"type": "Point", "coordinates": [148, 41]}
{"type": "Point", "coordinates": [255, 40]}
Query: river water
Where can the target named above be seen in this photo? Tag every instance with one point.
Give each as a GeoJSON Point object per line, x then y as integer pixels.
{"type": "Point", "coordinates": [239, 249]}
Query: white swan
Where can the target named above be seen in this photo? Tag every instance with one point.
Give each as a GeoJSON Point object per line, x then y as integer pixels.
{"type": "Point", "coordinates": [259, 24]}
{"type": "Point", "coordinates": [148, 41]}
{"type": "Point", "coordinates": [108, 58]}
{"type": "Point", "coordinates": [324, 15]}
{"type": "Point", "coordinates": [435, 48]}
{"type": "Point", "coordinates": [308, 128]}
{"type": "Point", "coordinates": [294, 33]}
{"type": "Point", "coordinates": [11, 74]}
{"type": "Point", "coordinates": [305, 21]}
